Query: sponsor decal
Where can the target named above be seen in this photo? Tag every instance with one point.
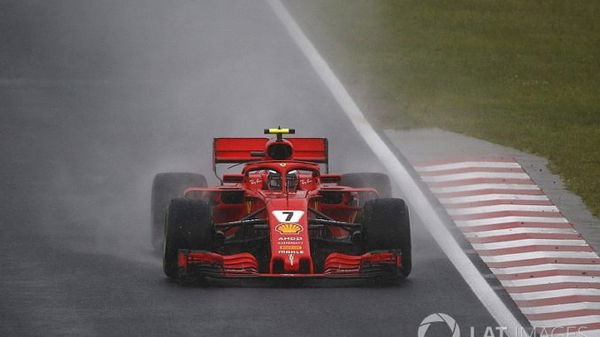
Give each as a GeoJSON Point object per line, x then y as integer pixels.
{"type": "Point", "coordinates": [290, 238]}
{"type": "Point", "coordinates": [288, 228]}
{"type": "Point", "coordinates": [290, 247]}
{"type": "Point", "coordinates": [290, 252]}
{"type": "Point", "coordinates": [288, 216]}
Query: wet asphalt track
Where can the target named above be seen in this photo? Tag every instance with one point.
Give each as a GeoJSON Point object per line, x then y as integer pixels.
{"type": "Point", "coordinates": [95, 98]}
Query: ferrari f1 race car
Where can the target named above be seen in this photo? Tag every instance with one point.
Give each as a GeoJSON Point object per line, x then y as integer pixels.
{"type": "Point", "coordinates": [283, 216]}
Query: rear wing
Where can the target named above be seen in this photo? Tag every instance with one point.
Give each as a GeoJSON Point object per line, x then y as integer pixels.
{"type": "Point", "coordinates": [242, 150]}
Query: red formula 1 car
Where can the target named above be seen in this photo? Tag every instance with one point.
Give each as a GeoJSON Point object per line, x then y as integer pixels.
{"type": "Point", "coordinates": [282, 216]}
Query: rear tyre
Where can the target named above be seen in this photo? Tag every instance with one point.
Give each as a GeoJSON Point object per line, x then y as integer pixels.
{"type": "Point", "coordinates": [379, 181]}
{"type": "Point", "coordinates": [188, 226]}
{"type": "Point", "coordinates": [387, 226]}
{"type": "Point", "coordinates": [167, 186]}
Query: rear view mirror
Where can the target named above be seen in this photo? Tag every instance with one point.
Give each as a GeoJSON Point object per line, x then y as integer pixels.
{"type": "Point", "coordinates": [331, 178]}
{"type": "Point", "coordinates": [233, 178]}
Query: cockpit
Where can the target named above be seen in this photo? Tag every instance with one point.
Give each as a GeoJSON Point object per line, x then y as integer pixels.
{"type": "Point", "coordinates": [286, 179]}
{"type": "Point", "coordinates": [274, 181]}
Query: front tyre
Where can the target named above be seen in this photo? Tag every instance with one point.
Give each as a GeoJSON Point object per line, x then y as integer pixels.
{"type": "Point", "coordinates": [188, 226]}
{"type": "Point", "coordinates": [387, 226]}
{"type": "Point", "coordinates": [167, 186]}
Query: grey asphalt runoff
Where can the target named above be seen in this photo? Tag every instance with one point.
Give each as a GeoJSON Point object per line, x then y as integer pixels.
{"type": "Point", "coordinates": [420, 145]}
{"type": "Point", "coordinates": [97, 97]}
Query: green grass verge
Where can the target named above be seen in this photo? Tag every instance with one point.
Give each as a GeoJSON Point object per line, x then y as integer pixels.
{"type": "Point", "coordinates": [524, 73]}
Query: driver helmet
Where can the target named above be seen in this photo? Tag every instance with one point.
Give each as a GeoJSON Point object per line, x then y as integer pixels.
{"type": "Point", "coordinates": [273, 180]}
{"type": "Point", "coordinates": [292, 180]}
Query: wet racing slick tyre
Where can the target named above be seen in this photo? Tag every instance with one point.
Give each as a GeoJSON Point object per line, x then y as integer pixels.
{"type": "Point", "coordinates": [167, 186]}
{"type": "Point", "coordinates": [188, 226]}
{"type": "Point", "coordinates": [378, 181]}
{"type": "Point", "coordinates": [387, 226]}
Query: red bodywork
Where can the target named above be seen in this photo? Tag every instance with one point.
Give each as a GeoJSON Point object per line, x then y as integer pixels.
{"type": "Point", "coordinates": [304, 228]}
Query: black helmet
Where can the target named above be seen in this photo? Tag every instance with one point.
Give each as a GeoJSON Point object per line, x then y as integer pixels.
{"type": "Point", "coordinates": [274, 181]}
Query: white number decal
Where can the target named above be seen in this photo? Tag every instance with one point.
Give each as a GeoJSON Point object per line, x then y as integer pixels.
{"type": "Point", "coordinates": [288, 216]}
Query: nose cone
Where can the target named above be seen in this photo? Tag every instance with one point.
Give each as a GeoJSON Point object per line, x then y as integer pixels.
{"type": "Point", "coordinates": [290, 245]}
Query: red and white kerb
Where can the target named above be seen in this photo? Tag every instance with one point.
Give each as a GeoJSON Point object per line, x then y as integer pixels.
{"type": "Point", "coordinates": [549, 270]}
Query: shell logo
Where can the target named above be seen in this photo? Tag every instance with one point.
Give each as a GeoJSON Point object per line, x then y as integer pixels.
{"type": "Point", "coordinates": [288, 228]}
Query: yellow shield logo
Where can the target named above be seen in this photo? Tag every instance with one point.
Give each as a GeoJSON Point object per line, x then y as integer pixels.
{"type": "Point", "coordinates": [288, 228]}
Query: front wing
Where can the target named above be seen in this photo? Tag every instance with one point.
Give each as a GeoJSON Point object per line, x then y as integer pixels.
{"type": "Point", "coordinates": [379, 264]}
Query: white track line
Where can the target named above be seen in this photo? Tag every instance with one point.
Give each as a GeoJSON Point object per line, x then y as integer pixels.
{"type": "Point", "coordinates": [548, 294]}
{"type": "Point", "coordinates": [527, 242]}
{"type": "Point", "coordinates": [488, 197]}
{"type": "Point", "coordinates": [501, 208]}
{"type": "Point", "coordinates": [561, 308]}
{"type": "Point", "coordinates": [537, 255]}
{"type": "Point", "coordinates": [536, 281]}
{"type": "Point", "coordinates": [471, 170]}
{"type": "Point", "coordinates": [477, 187]}
{"type": "Point", "coordinates": [508, 219]}
{"type": "Point", "coordinates": [544, 267]}
{"type": "Point", "coordinates": [476, 175]}
{"type": "Point", "coordinates": [467, 164]}
{"type": "Point", "coordinates": [520, 230]}
{"type": "Point", "coordinates": [400, 174]}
